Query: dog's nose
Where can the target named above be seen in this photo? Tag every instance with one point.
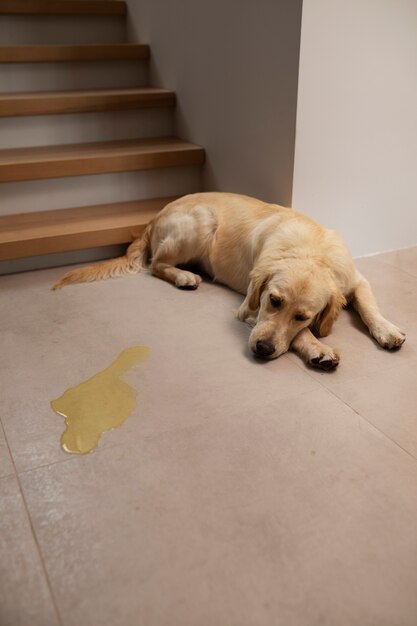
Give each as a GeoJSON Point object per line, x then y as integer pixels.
{"type": "Point", "coordinates": [264, 348]}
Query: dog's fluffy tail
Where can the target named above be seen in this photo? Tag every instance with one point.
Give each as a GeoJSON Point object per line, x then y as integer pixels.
{"type": "Point", "coordinates": [133, 262]}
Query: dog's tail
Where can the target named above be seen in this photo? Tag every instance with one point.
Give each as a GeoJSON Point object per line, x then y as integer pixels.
{"type": "Point", "coordinates": [133, 262]}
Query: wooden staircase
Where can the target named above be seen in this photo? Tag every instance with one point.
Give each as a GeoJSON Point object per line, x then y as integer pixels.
{"type": "Point", "coordinates": [34, 233]}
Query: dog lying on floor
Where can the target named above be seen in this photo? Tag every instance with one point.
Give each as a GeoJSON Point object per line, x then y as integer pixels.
{"type": "Point", "coordinates": [295, 274]}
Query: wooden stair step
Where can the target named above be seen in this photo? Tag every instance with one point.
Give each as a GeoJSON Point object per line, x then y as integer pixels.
{"type": "Point", "coordinates": [64, 230]}
{"type": "Point", "coordinates": [97, 158]}
{"type": "Point", "coordinates": [60, 7]}
{"type": "Point", "coordinates": [87, 52]}
{"type": "Point", "coordinates": [53, 102]}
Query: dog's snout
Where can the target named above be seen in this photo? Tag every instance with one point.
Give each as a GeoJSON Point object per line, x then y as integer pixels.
{"type": "Point", "coordinates": [264, 348]}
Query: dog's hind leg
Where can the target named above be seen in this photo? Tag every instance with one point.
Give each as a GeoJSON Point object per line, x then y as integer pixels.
{"type": "Point", "coordinates": [386, 334]}
{"type": "Point", "coordinates": [163, 267]}
{"type": "Point", "coordinates": [178, 239]}
{"type": "Point", "coordinates": [314, 352]}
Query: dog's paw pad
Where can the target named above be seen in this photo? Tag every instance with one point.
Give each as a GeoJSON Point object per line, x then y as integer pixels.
{"type": "Point", "coordinates": [187, 280]}
{"type": "Point", "coordinates": [394, 343]}
{"type": "Point", "coordinates": [325, 362]}
{"type": "Point", "coordinates": [328, 364]}
{"type": "Point", "coordinates": [389, 337]}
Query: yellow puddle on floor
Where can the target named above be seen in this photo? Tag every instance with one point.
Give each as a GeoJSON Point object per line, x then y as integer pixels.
{"type": "Point", "coordinates": [99, 404]}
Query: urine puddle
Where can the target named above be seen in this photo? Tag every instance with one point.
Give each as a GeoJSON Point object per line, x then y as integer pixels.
{"type": "Point", "coordinates": [101, 403]}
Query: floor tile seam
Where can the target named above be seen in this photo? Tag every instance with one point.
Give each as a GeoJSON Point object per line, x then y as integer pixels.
{"type": "Point", "coordinates": [375, 427]}
{"type": "Point", "coordinates": [72, 457]}
{"type": "Point", "coordinates": [334, 394]}
{"type": "Point", "coordinates": [35, 538]}
{"type": "Point", "coordinates": [14, 472]}
{"type": "Point", "coordinates": [371, 424]}
{"type": "Point", "coordinates": [27, 470]}
{"type": "Point", "coordinates": [43, 564]}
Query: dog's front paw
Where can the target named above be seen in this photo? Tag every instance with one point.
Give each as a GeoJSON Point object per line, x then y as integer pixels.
{"type": "Point", "coordinates": [242, 313]}
{"type": "Point", "coordinates": [326, 359]}
{"type": "Point", "coordinates": [187, 280]}
{"type": "Point", "coordinates": [388, 336]}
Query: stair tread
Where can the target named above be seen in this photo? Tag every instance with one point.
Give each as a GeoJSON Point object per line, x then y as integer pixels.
{"type": "Point", "coordinates": [61, 230]}
{"type": "Point", "coordinates": [58, 7]}
{"type": "Point", "coordinates": [91, 150]}
{"type": "Point", "coordinates": [44, 102]}
{"type": "Point", "coordinates": [37, 53]}
{"type": "Point", "coordinates": [86, 159]}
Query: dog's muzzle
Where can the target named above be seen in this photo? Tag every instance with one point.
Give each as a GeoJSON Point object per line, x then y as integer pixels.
{"type": "Point", "coordinates": [264, 348]}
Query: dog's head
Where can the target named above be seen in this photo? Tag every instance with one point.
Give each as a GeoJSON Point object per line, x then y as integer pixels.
{"type": "Point", "coordinates": [296, 294]}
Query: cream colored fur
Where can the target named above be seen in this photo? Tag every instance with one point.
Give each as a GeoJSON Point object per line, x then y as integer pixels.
{"type": "Point", "coordinates": [295, 274]}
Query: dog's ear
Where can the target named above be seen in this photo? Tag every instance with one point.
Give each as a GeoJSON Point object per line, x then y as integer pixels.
{"type": "Point", "coordinates": [324, 320]}
{"type": "Point", "coordinates": [258, 281]}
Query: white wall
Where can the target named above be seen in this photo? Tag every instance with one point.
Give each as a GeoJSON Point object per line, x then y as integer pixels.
{"type": "Point", "coordinates": [356, 145]}
{"type": "Point", "coordinates": [234, 66]}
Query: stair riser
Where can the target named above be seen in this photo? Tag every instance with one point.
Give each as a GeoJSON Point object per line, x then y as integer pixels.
{"type": "Point", "coordinates": [60, 259]}
{"type": "Point", "coordinates": [20, 77]}
{"type": "Point", "coordinates": [44, 130]}
{"type": "Point", "coordinates": [68, 29]}
{"type": "Point", "coordinates": [59, 193]}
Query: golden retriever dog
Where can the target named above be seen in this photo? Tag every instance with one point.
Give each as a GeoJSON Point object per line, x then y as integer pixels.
{"type": "Point", "coordinates": [296, 275]}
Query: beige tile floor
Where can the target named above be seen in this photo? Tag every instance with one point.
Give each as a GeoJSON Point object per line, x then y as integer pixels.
{"type": "Point", "coordinates": [237, 494]}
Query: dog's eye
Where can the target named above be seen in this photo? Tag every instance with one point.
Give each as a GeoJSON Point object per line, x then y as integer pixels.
{"type": "Point", "coordinates": [276, 302]}
{"type": "Point", "coordinates": [300, 318]}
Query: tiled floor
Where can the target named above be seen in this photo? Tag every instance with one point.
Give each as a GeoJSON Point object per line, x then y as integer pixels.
{"type": "Point", "coordinates": [238, 493]}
